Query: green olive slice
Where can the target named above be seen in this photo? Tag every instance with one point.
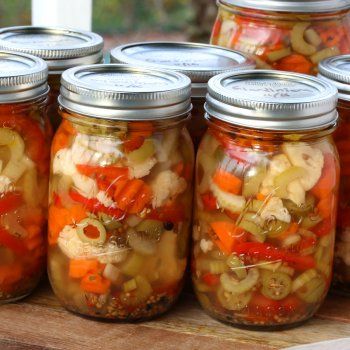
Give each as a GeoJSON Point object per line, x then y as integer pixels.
{"type": "Point", "coordinates": [276, 285]}
{"type": "Point", "coordinates": [91, 231]}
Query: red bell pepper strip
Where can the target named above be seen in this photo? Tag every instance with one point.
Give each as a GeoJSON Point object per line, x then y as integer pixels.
{"type": "Point", "coordinates": [93, 205]}
{"type": "Point", "coordinates": [263, 251]}
{"type": "Point", "coordinates": [112, 173]}
{"type": "Point", "coordinates": [11, 242]}
{"type": "Point", "coordinates": [211, 279]}
{"type": "Point", "coordinates": [10, 202]}
{"type": "Point", "coordinates": [209, 201]}
{"type": "Point", "coordinates": [169, 213]}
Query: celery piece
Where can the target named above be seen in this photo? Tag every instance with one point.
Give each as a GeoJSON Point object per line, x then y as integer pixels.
{"type": "Point", "coordinates": [217, 267]}
{"type": "Point", "coordinates": [141, 243]}
{"type": "Point", "coordinates": [279, 54]}
{"type": "Point", "coordinates": [304, 278]}
{"type": "Point", "coordinates": [255, 205]}
{"type": "Point", "coordinates": [231, 285]}
{"type": "Point", "coordinates": [282, 181]}
{"type": "Point", "coordinates": [233, 301]}
{"type": "Point", "coordinates": [313, 291]}
{"type": "Point", "coordinates": [252, 180]}
{"type": "Point", "coordinates": [310, 221]}
{"type": "Point", "coordinates": [144, 289]}
{"type": "Point", "coordinates": [132, 265]}
{"type": "Point", "coordinates": [300, 210]}
{"type": "Point", "coordinates": [275, 227]}
{"type": "Point", "coordinates": [252, 228]}
{"type": "Point", "coordinates": [150, 228]}
{"type": "Point", "coordinates": [236, 265]}
{"type": "Point", "coordinates": [143, 153]}
{"type": "Point", "coordinates": [130, 285]}
{"type": "Point", "coordinates": [298, 42]}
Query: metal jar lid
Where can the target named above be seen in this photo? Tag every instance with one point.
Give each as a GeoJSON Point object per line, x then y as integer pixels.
{"type": "Point", "coordinates": [22, 77]}
{"type": "Point", "coordinates": [120, 92]}
{"type": "Point", "coordinates": [199, 62]}
{"type": "Point", "coordinates": [61, 48]}
{"type": "Point", "coordinates": [272, 100]}
{"type": "Point", "coordinates": [336, 70]}
{"type": "Point", "coordinates": [305, 6]}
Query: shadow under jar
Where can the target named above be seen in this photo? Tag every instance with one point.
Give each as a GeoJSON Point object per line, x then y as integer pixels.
{"type": "Point", "coordinates": [336, 71]}
{"type": "Point", "coordinates": [284, 35]}
{"type": "Point", "coordinates": [266, 190]}
{"type": "Point", "coordinates": [61, 48]}
{"type": "Point", "coordinates": [121, 191]}
{"type": "Point", "coordinates": [199, 62]}
{"type": "Point", "coordinates": [24, 173]}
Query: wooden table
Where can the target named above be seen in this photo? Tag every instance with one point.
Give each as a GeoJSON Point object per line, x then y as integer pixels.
{"type": "Point", "coordinates": [39, 322]}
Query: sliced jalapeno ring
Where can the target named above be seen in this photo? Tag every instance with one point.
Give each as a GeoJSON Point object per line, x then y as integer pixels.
{"type": "Point", "coordinates": [276, 285]}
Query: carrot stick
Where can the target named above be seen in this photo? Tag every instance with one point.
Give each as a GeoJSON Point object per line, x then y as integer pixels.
{"type": "Point", "coordinates": [227, 181]}
{"type": "Point", "coordinates": [78, 268]}
{"type": "Point", "coordinates": [294, 63]}
{"type": "Point", "coordinates": [94, 283]}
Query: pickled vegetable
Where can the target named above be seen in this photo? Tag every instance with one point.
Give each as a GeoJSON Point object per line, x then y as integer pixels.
{"type": "Point", "coordinates": [262, 239]}
{"type": "Point", "coordinates": [120, 206]}
{"type": "Point", "coordinates": [283, 41]}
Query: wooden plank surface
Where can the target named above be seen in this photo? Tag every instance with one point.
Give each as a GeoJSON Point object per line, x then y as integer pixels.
{"type": "Point", "coordinates": [40, 323]}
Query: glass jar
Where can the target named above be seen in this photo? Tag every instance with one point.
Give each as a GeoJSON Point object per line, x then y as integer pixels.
{"type": "Point", "coordinates": [284, 35]}
{"type": "Point", "coordinates": [199, 62]}
{"type": "Point", "coordinates": [24, 172]}
{"type": "Point", "coordinates": [266, 191]}
{"type": "Point", "coordinates": [336, 71]}
{"type": "Point", "coordinates": [121, 191]}
{"type": "Point", "coordinates": [61, 48]}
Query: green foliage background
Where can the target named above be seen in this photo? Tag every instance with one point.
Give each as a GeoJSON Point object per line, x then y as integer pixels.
{"type": "Point", "coordinates": [115, 16]}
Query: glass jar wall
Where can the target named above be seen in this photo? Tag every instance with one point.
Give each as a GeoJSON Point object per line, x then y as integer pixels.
{"type": "Point", "coordinates": [121, 193]}
{"type": "Point", "coordinates": [265, 202]}
{"type": "Point", "coordinates": [61, 49]}
{"type": "Point", "coordinates": [336, 71]}
{"type": "Point", "coordinates": [24, 171]}
{"type": "Point", "coordinates": [284, 35]}
{"type": "Point", "coordinates": [199, 62]}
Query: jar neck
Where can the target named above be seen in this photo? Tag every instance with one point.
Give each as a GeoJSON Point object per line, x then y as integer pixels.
{"type": "Point", "coordinates": [279, 15]}
{"type": "Point", "coordinates": [269, 135]}
{"type": "Point", "coordinates": [19, 107]}
{"type": "Point", "coordinates": [115, 126]}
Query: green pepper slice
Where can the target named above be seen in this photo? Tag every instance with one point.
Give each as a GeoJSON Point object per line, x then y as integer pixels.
{"type": "Point", "coordinates": [233, 301]}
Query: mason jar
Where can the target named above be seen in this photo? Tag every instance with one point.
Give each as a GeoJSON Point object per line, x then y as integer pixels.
{"type": "Point", "coordinates": [284, 35]}
{"type": "Point", "coordinates": [336, 71]}
{"type": "Point", "coordinates": [24, 172]}
{"type": "Point", "coordinates": [121, 191]}
{"type": "Point", "coordinates": [199, 62]}
{"type": "Point", "coordinates": [266, 197]}
{"type": "Point", "coordinates": [61, 48]}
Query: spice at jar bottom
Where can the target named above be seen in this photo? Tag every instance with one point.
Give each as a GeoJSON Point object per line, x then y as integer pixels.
{"type": "Point", "coordinates": [121, 192]}
{"type": "Point", "coordinates": [266, 191]}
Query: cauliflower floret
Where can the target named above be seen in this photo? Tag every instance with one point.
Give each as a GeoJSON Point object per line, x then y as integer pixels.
{"type": "Point", "coordinates": [274, 209]}
{"type": "Point", "coordinates": [63, 163]}
{"type": "Point", "coordinates": [107, 201]}
{"type": "Point", "coordinates": [165, 147]}
{"type": "Point", "coordinates": [73, 247]}
{"type": "Point", "coordinates": [143, 169]}
{"type": "Point", "coordinates": [165, 186]}
{"type": "Point", "coordinates": [277, 166]}
{"type": "Point", "coordinates": [310, 158]}
{"type": "Point", "coordinates": [6, 184]}
{"type": "Point", "coordinates": [86, 186]}
{"type": "Point", "coordinates": [206, 245]}
{"type": "Point", "coordinates": [227, 200]}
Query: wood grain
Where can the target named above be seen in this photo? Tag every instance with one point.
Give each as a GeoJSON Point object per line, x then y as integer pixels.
{"type": "Point", "coordinates": [40, 323]}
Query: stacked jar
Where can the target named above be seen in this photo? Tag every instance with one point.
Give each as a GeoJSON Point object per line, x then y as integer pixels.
{"type": "Point", "coordinates": [284, 35]}
{"type": "Point", "coordinates": [121, 191]}
{"type": "Point", "coordinates": [336, 71]}
{"type": "Point", "coordinates": [265, 204]}
{"type": "Point", "coordinates": [24, 172]}
{"type": "Point", "coordinates": [60, 48]}
{"type": "Point", "coordinates": [199, 62]}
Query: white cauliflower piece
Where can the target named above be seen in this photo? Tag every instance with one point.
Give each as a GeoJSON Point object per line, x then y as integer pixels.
{"type": "Point", "coordinates": [166, 185]}
{"type": "Point", "coordinates": [310, 158]}
{"type": "Point", "coordinates": [107, 201]}
{"type": "Point", "coordinates": [206, 245]}
{"type": "Point", "coordinates": [6, 184]}
{"type": "Point", "coordinates": [277, 166]}
{"type": "Point", "coordinates": [72, 246]}
{"type": "Point", "coordinates": [274, 209]}
{"type": "Point", "coordinates": [86, 186]}
{"type": "Point", "coordinates": [63, 163]}
{"type": "Point", "coordinates": [165, 147]}
{"type": "Point", "coordinates": [143, 169]}
{"type": "Point", "coordinates": [227, 200]}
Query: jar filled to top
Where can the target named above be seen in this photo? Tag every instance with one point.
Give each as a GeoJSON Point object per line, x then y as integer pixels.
{"type": "Point", "coordinates": [266, 191]}
{"type": "Point", "coordinates": [336, 70]}
{"type": "Point", "coordinates": [199, 62]}
{"type": "Point", "coordinates": [61, 49]}
{"type": "Point", "coordinates": [284, 35]}
{"type": "Point", "coordinates": [121, 191]}
{"type": "Point", "coordinates": [24, 171]}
